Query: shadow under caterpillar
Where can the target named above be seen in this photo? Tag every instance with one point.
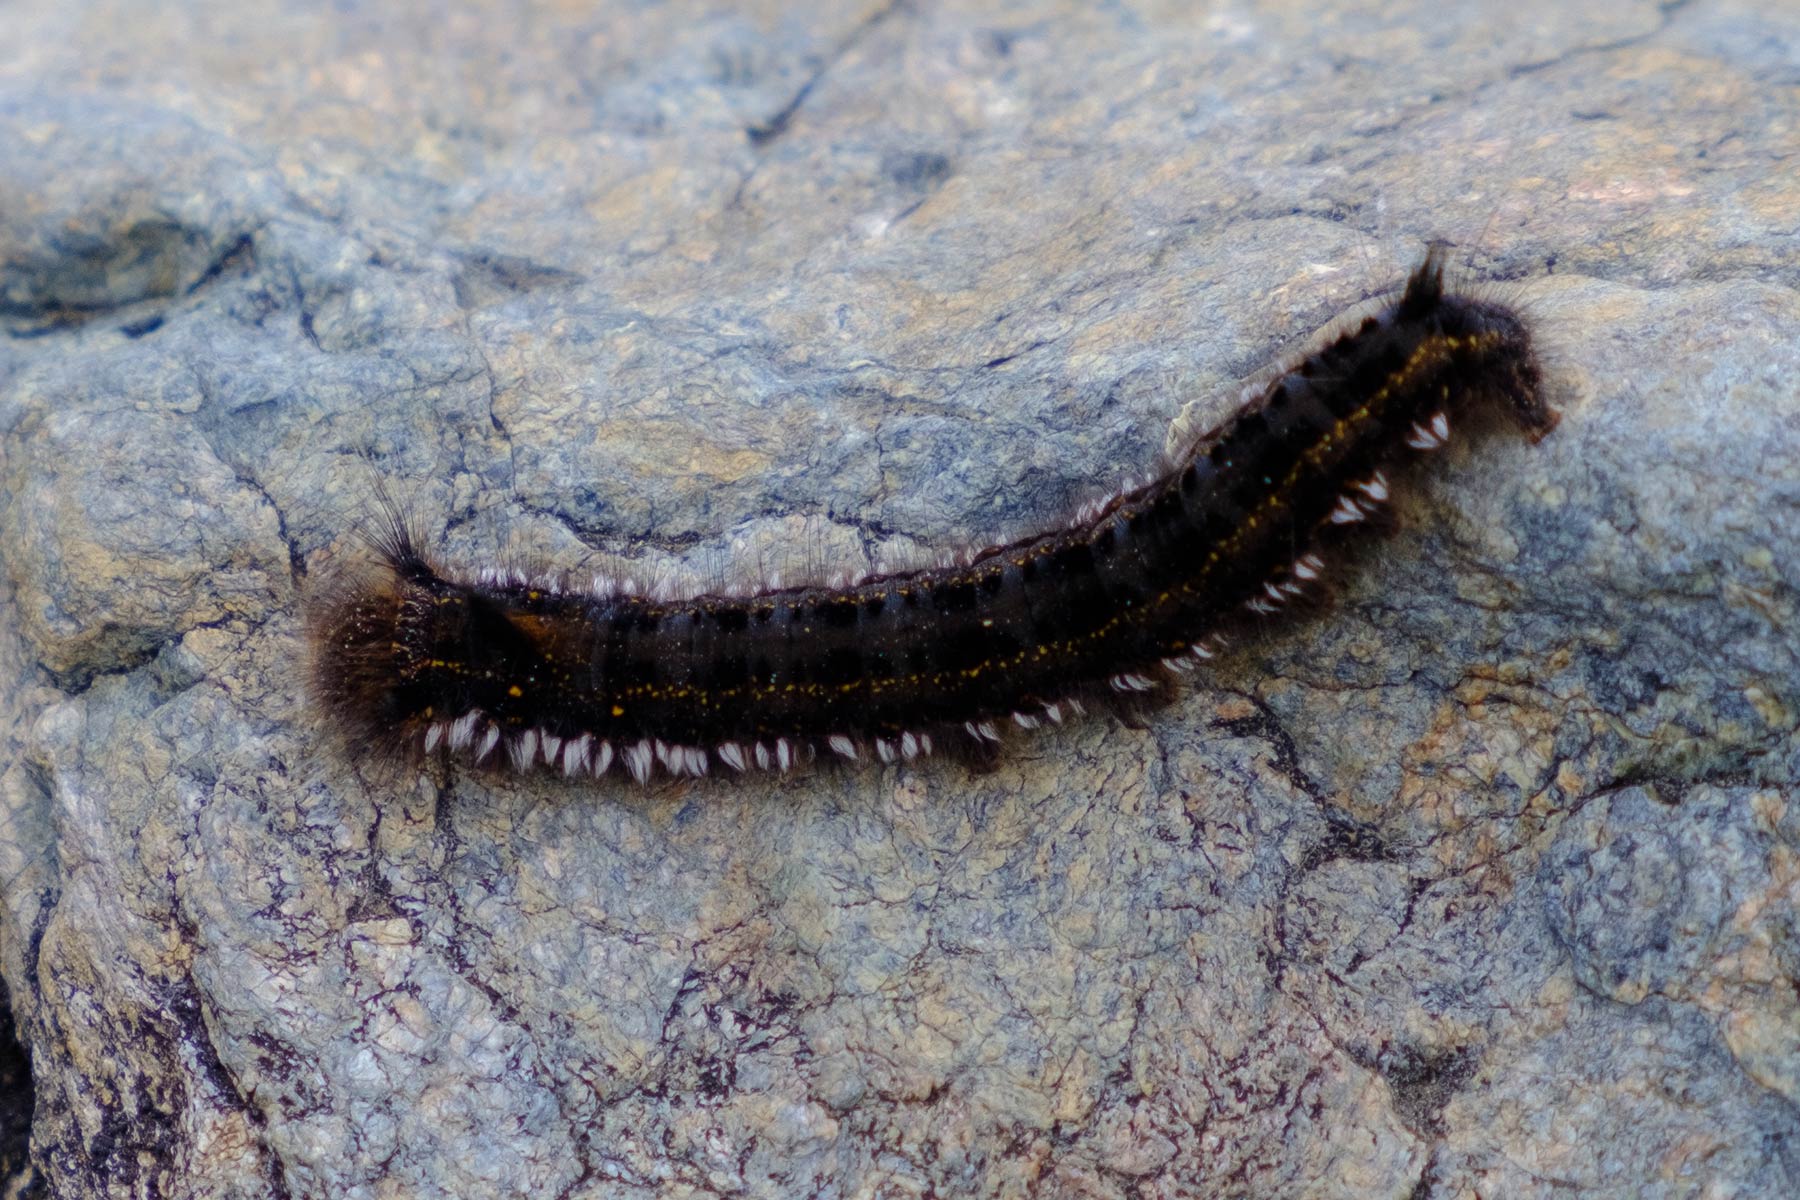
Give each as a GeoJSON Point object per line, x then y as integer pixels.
{"type": "Point", "coordinates": [409, 657]}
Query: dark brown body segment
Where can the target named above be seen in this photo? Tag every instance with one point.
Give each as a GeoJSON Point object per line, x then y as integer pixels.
{"type": "Point", "coordinates": [1099, 606]}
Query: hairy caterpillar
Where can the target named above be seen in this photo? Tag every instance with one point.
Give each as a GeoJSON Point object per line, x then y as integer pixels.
{"type": "Point", "coordinates": [410, 657]}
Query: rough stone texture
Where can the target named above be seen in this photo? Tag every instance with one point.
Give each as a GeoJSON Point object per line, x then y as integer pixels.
{"type": "Point", "coordinates": [1482, 882]}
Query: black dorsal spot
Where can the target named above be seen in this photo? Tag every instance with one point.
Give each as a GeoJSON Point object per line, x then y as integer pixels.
{"type": "Point", "coordinates": [840, 665]}
{"type": "Point", "coordinates": [955, 597]}
{"type": "Point", "coordinates": [1072, 560]}
{"type": "Point", "coordinates": [838, 614]}
{"type": "Point", "coordinates": [730, 671]}
{"type": "Point", "coordinates": [1249, 427]}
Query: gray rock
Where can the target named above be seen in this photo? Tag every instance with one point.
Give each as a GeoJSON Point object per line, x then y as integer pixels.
{"type": "Point", "coordinates": [1481, 881]}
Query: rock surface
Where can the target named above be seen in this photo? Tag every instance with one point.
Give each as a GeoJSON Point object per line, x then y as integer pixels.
{"type": "Point", "coordinates": [1481, 882]}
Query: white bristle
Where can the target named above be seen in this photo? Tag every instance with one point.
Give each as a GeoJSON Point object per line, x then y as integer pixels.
{"type": "Point", "coordinates": [639, 759]}
{"type": "Point", "coordinates": [462, 730]}
{"type": "Point", "coordinates": [842, 745]}
{"type": "Point", "coordinates": [523, 749]}
{"type": "Point", "coordinates": [489, 740]}
{"type": "Point", "coordinates": [575, 754]}
{"type": "Point", "coordinates": [1421, 438]}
